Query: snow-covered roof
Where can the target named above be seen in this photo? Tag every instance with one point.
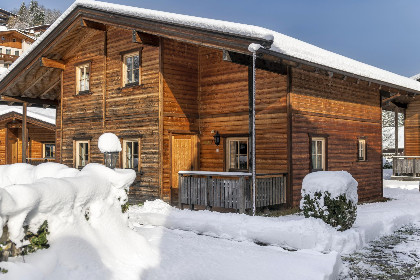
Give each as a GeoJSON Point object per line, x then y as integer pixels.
{"type": "Point", "coordinates": [415, 77]}
{"type": "Point", "coordinates": [282, 44]}
{"type": "Point", "coordinates": [5, 29]}
{"type": "Point", "coordinates": [46, 115]}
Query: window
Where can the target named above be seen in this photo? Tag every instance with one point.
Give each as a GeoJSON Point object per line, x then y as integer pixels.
{"type": "Point", "coordinates": [17, 53]}
{"type": "Point", "coordinates": [131, 68]}
{"type": "Point", "coordinates": [237, 154]}
{"type": "Point", "coordinates": [1, 50]}
{"type": "Point", "coordinates": [14, 39]}
{"type": "Point", "coordinates": [82, 78]}
{"type": "Point", "coordinates": [361, 150]}
{"type": "Point", "coordinates": [7, 65]}
{"type": "Point", "coordinates": [8, 51]}
{"type": "Point", "coordinates": [48, 150]}
{"type": "Point", "coordinates": [131, 154]}
{"type": "Point", "coordinates": [318, 153]}
{"type": "Point", "coordinates": [82, 154]}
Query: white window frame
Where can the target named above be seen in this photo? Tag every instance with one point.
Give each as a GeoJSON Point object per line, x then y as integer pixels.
{"type": "Point", "coordinates": [361, 150]}
{"type": "Point", "coordinates": [44, 150]}
{"type": "Point", "coordinates": [317, 153]}
{"type": "Point", "coordinates": [124, 154]}
{"type": "Point", "coordinates": [8, 51]}
{"type": "Point", "coordinates": [77, 155]}
{"type": "Point", "coordinates": [125, 70]}
{"type": "Point", "coordinates": [86, 79]}
{"type": "Point", "coordinates": [228, 153]}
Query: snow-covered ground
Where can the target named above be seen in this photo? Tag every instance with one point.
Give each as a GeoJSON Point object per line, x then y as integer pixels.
{"type": "Point", "coordinates": [162, 242]}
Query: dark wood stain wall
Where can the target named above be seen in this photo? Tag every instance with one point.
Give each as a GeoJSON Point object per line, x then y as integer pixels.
{"type": "Point", "coordinates": [412, 129]}
{"type": "Point", "coordinates": [342, 111]}
{"type": "Point", "coordinates": [130, 112]}
{"type": "Point", "coordinates": [203, 93]}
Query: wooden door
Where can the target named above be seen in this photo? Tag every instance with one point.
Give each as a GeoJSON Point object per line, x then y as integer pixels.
{"type": "Point", "coordinates": [184, 155]}
{"type": "Point", "coordinates": [12, 146]}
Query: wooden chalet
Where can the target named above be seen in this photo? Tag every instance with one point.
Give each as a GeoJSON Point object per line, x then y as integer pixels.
{"type": "Point", "coordinates": [40, 135]}
{"type": "Point", "coordinates": [202, 119]}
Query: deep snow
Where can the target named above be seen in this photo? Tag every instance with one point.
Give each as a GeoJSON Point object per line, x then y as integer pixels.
{"type": "Point", "coordinates": [162, 242]}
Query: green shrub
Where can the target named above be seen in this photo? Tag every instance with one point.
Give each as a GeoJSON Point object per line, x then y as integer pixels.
{"type": "Point", "coordinates": [338, 212]}
{"type": "Point", "coordinates": [36, 241]}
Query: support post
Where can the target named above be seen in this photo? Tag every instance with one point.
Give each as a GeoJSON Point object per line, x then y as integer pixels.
{"type": "Point", "coordinates": [24, 132]}
{"type": "Point", "coordinates": [396, 130]}
{"type": "Point", "coordinates": [251, 94]}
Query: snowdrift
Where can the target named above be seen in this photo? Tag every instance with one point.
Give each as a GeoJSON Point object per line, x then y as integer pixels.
{"type": "Point", "coordinates": [83, 210]}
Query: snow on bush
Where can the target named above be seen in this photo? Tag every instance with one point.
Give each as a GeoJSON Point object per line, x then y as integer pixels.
{"type": "Point", "coordinates": [108, 143]}
{"type": "Point", "coordinates": [83, 210]}
{"type": "Point", "coordinates": [330, 196]}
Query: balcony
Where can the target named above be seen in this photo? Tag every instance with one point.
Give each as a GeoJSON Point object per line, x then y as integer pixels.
{"type": "Point", "coordinates": [8, 57]}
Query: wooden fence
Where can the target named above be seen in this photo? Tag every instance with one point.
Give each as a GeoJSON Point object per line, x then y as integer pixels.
{"type": "Point", "coordinates": [406, 166]}
{"type": "Point", "coordinates": [230, 189]}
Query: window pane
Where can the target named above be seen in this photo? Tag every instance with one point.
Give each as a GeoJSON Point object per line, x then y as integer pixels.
{"type": "Point", "coordinates": [136, 76]}
{"type": "Point", "coordinates": [129, 76]}
{"type": "Point", "coordinates": [243, 162]}
{"type": "Point", "coordinates": [313, 148]}
{"type": "Point", "coordinates": [233, 152]}
{"type": "Point", "coordinates": [136, 62]}
{"type": "Point", "coordinates": [319, 162]}
{"type": "Point", "coordinates": [319, 147]}
{"type": "Point", "coordinates": [87, 77]}
{"type": "Point", "coordinates": [243, 147]}
{"type": "Point", "coordinates": [314, 162]}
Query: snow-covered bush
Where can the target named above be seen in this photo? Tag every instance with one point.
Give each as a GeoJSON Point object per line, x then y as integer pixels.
{"type": "Point", "coordinates": [330, 196]}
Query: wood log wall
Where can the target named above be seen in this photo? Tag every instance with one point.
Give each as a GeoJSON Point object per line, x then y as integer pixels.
{"type": "Point", "coordinates": [341, 110]}
{"type": "Point", "coordinates": [412, 129]}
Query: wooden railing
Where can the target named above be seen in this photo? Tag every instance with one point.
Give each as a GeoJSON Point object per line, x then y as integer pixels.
{"type": "Point", "coordinates": [230, 189]}
{"type": "Point", "coordinates": [36, 161]}
{"type": "Point", "coordinates": [406, 166]}
{"type": "Point", "coordinates": [8, 57]}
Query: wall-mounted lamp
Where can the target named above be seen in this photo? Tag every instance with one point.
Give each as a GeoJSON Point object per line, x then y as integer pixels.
{"type": "Point", "coordinates": [217, 138]}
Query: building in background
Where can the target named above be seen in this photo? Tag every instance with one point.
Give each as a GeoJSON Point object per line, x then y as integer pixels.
{"type": "Point", "coordinates": [37, 31]}
{"type": "Point", "coordinates": [12, 44]}
{"type": "Point", "coordinates": [40, 133]}
{"type": "Point", "coordinates": [4, 17]}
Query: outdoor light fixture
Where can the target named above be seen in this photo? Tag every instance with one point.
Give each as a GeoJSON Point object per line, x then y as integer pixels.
{"type": "Point", "coordinates": [217, 138]}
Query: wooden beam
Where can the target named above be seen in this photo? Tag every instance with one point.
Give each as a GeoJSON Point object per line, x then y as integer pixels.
{"type": "Point", "coordinates": [396, 130]}
{"type": "Point", "coordinates": [145, 38]}
{"type": "Point", "coordinates": [93, 24]}
{"type": "Point", "coordinates": [35, 81]}
{"type": "Point", "coordinates": [37, 101]}
{"type": "Point", "coordinates": [244, 59]}
{"type": "Point", "coordinates": [51, 63]}
{"type": "Point", "coordinates": [24, 132]}
{"type": "Point", "coordinates": [391, 98]}
{"type": "Point", "coordinates": [53, 85]}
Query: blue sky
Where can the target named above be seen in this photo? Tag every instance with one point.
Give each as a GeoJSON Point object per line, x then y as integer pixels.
{"type": "Point", "coordinates": [383, 33]}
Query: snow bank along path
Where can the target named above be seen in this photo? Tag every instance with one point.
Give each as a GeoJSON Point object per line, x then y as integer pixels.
{"type": "Point", "coordinates": [373, 220]}
{"type": "Point", "coordinates": [102, 247]}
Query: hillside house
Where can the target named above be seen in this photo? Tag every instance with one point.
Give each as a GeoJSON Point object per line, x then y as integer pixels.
{"type": "Point", "coordinates": [12, 44]}
{"type": "Point", "coordinates": [179, 92]}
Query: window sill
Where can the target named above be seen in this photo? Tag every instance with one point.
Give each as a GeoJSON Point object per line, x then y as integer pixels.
{"type": "Point", "coordinates": [132, 85]}
{"type": "Point", "coordinates": [85, 92]}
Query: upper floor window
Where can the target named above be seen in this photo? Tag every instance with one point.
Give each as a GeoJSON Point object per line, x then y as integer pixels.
{"type": "Point", "coordinates": [361, 150]}
{"type": "Point", "coordinates": [1, 50]}
{"type": "Point", "coordinates": [8, 51]}
{"type": "Point", "coordinates": [48, 150]}
{"type": "Point", "coordinates": [131, 154]}
{"type": "Point", "coordinates": [17, 53]}
{"type": "Point", "coordinates": [131, 68]}
{"type": "Point", "coordinates": [237, 154]}
{"type": "Point", "coordinates": [82, 153]}
{"type": "Point", "coordinates": [318, 153]}
{"type": "Point", "coordinates": [83, 78]}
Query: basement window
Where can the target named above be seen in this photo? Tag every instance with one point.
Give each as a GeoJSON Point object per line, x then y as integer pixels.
{"type": "Point", "coordinates": [131, 68]}
{"type": "Point", "coordinates": [83, 78]}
